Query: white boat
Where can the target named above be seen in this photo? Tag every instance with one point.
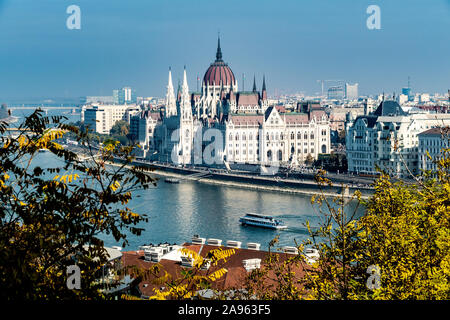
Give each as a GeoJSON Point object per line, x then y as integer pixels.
{"type": "Point", "coordinates": [258, 220]}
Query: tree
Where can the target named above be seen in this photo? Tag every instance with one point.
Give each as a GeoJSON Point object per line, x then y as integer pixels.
{"type": "Point", "coordinates": [309, 159]}
{"type": "Point", "coordinates": [341, 135]}
{"type": "Point", "coordinates": [52, 218]}
{"type": "Point", "coordinates": [400, 247]}
{"type": "Point", "coordinates": [120, 128]}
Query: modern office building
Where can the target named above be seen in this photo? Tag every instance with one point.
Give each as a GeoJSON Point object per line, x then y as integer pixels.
{"type": "Point", "coordinates": [351, 91]}
{"type": "Point", "coordinates": [101, 118]}
{"type": "Point", "coordinates": [336, 92]}
{"type": "Point", "coordinates": [97, 99]}
{"type": "Point", "coordinates": [124, 95]}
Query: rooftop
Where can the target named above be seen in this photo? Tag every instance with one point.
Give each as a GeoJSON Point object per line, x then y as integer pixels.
{"type": "Point", "coordinates": [170, 263]}
{"type": "Point", "coordinates": [438, 131]}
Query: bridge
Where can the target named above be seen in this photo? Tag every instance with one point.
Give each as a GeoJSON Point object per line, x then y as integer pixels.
{"type": "Point", "coordinates": [43, 108]}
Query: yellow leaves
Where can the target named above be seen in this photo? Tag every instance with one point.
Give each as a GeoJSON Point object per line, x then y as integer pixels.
{"type": "Point", "coordinates": [3, 180]}
{"type": "Point", "coordinates": [217, 274]}
{"type": "Point", "coordinates": [220, 254]}
{"type": "Point", "coordinates": [111, 146]}
{"type": "Point", "coordinates": [198, 259]}
{"type": "Point", "coordinates": [129, 297]}
{"type": "Point", "coordinates": [23, 141]}
{"type": "Point", "coordinates": [115, 185]}
{"type": "Point", "coordinates": [6, 145]}
{"type": "Point", "coordinates": [68, 178]}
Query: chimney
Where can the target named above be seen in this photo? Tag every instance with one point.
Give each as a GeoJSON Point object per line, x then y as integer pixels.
{"type": "Point", "coordinates": [234, 244]}
{"type": "Point", "coordinates": [251, 264]}
{"type": "Point", "coordinates": [214, 242]}
{"type": "Point", "coordinates": [253, 246]}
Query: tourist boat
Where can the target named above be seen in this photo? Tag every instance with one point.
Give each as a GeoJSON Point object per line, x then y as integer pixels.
{"type": "Point", "coordinates": [172, 180]}
{"type": "Point", "coordinates": [258, 220]}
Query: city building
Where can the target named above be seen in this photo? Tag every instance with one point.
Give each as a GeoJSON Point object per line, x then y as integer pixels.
{"type": "Point", "coordinates": [388, 138]}
{"type": "Point", "coordinates": [246, 257]}
{"type": "Point", "coordinates": [336, 92]}
{"type": "Point", "coordinates": [125, 95]}
{"type": "Point", "coordinates": [101, 118]}
{"type": "Point", "coordinates": [351, 91]}
{"type": "Point", "coordinates": [251, 131]}
{"type": "Point", "coordinates": [431, 144]}
{"type": "Point", "coordinates": [97, 99]}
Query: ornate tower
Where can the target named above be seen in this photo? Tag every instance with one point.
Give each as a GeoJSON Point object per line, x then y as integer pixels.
{"type": "Point", "coordinates": [264, 101]}
{"type": "Point", "coordinates": [171, 105]}
{"type": "Point", "coordinates": [186, 124]}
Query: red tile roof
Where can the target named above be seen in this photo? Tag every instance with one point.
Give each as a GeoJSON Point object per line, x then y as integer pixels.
{"type": "Point", "coordinates": [232, 279]}
{"type": "Point", "coordinates": [245, 99]}
{"type": "Point", "coordinates": [242, 120]}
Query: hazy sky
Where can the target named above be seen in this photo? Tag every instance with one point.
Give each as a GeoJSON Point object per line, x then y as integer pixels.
{"type": "Point", "coordinates": [293, 42]}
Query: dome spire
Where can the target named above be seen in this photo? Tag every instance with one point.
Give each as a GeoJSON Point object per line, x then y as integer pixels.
{"type": "Point", "coordinates": [219, 51]}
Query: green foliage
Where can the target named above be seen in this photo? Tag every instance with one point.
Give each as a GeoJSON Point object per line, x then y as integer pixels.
{"type": "Point", "coordinates": [120, 128]}
{"type": "Point", "coordinates": [405, 232]}
{"type": "Point", "coordinates": [51, 216]}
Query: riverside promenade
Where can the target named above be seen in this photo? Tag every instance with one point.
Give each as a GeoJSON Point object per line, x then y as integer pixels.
{"type": "Point", "coordinates": [278, 183]}
{"type": "Point", "coordinates": [285, 182]}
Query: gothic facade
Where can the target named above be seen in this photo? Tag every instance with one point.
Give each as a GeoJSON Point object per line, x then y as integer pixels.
{"type": "Point", "coordinates": [251, 131]}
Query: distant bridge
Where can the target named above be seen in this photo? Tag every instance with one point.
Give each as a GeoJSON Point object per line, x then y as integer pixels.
{"type": "Point", "coordinates": [43, 108]}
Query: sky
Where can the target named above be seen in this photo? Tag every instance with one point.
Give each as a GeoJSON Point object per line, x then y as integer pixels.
{"type": "Point", "coordinates": [293, 43]}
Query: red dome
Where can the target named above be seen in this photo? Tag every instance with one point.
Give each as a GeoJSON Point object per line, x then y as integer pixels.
{"type": "Point", "coordinates": [219, 73]}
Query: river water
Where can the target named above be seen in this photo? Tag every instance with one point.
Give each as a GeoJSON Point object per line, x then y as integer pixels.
{"type": "Point", "coordinates": [178, 211]}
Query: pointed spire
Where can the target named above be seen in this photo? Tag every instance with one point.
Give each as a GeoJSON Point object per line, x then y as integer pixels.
{"type": "Point", "coordinates": [184, 79]}
{"type": "Point", "coordinates": [254, 83]}
{"type": "Point", "coordinates": [264, 90]}
{"type": "Point", "coordinates": [170, 97]}
{"type": "Point", "coordinates": [219, 51]}
{"type": "Point", "coordinates": [184, 86]}
{"type": "Point", "coordinates": [179, 91]}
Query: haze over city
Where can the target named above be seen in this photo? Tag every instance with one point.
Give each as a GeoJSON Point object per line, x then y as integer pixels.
{"type": "Point", "coordinates": [133, 43]}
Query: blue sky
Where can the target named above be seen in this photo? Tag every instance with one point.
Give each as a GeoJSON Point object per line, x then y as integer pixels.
{"type": "Point", "coordinates": [293, 42]}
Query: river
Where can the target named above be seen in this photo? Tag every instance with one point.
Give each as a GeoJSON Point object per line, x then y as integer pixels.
{"type": "Point", "coordinates": [178, 211]}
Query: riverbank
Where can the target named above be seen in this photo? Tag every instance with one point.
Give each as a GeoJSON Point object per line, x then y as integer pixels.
{"type": "Point", "coordinates": [250, 181]}
{"type": "Point", "coordinates": [260, 183]}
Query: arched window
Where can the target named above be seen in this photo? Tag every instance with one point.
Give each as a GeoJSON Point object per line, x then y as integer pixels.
{"type": "Point", "coordinates": [267, 137]}
{"type": "Point", "coordinates": [305, 136]}
{"type": "Point", "coordinates": [299, 135]}
{"type": "Point", "coordinates": [237, 136]}
{"type": "Point", "coordinates": [292, 135]}
{"type": "Point", "coordinates": [250, 137]}
{"type": "Point", "coordinates": [231, 137]}
{"type": "Point", "coordinates": [312, 135]}
{"type": "Point", "coordinates": [269, 155]}
{"type": "Point", "coordinates": [280, 155]}
{"type": "Point", "coordinates": [324, 149]}
{"type": "Point", "coordinates": [244, 137]}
